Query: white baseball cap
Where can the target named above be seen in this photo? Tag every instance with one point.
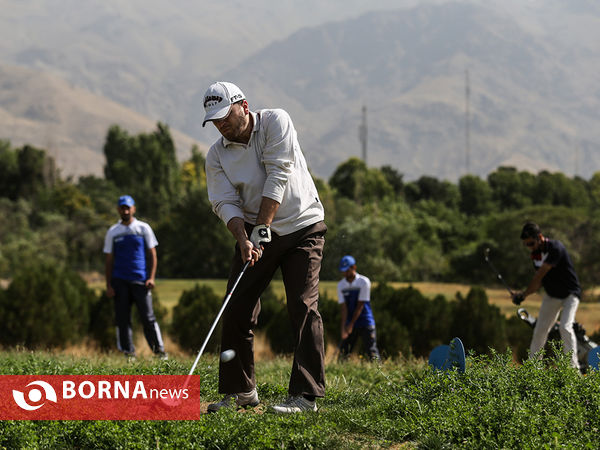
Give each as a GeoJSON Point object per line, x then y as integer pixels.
{"type": "Point", "coordinates": [218, 99]}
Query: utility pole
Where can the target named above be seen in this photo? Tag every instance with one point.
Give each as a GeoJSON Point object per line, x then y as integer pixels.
{"type": "Point", "coordinates": [467, 123]}
{"type": "Point", "coordinates": [362, 134]}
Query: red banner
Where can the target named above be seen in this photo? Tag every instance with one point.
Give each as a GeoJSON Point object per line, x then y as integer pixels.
{"type": "Point", "coordinates": [99, 397]}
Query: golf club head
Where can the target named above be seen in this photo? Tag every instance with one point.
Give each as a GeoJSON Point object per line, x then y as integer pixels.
{"type": "Point", "coordinates": [170, 402]}
{"type": "Point", "coordinates": [526, 317]}
{"type": "Point", "coordinates": [523, 314]}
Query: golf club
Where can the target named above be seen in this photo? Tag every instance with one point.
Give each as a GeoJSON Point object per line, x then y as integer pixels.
{"type": "Point", "coordinates": [171, 402]}
{"type": "Point", "coordinates": [486, 253]}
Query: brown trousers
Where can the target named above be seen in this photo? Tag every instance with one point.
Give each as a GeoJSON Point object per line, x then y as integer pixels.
{"type": "Point", "coordinates": [299, 256]}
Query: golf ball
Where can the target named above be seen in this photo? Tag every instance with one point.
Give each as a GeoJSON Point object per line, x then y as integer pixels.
{"type": "Point", "coordinates": [227, 355]}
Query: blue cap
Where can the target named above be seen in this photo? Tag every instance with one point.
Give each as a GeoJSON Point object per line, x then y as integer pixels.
{"type": "Point", "coordinates": [126, 200]}
{"type": "Point", "coordinates": [346, 262]}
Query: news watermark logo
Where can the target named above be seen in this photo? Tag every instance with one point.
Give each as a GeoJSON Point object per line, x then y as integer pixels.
{"type": "Point", "coordinates": [35, 396]}
{"type": "Point", "coordinates": [99, 397]}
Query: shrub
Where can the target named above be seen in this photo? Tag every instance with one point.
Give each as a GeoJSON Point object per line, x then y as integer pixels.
{"type": "Point", "coordinates": [269, 305]}
{"type": "Point", "coordinates": [276, 322]}
{"type": "Point", "coordinates": [408, 322]}
{"type": "Point", "coordinates": [478, 324]}
{"type": "Point", "coordinates": [102, 320]}
{"type": "Point", "coordinates": [197, 309]}
{"type": "Point", "coordinates": [279, 332]}
{"type": "Point", "coordinates": [193, 316]}
{"type": "Point", "coordinates": [45, 305]}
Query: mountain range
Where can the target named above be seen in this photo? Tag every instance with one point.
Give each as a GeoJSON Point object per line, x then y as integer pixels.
{"type": "Point", "coordinates": [449, 87]}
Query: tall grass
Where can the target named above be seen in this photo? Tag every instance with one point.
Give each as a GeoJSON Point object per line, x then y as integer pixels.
{"type": "Point", "coordinates": [495, 404]}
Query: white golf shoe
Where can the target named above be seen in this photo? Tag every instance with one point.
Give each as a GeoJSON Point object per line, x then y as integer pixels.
{"type": "Point", "coordinates": [234, 401]}
{"type": "Point", "coordinates": [295, 405]}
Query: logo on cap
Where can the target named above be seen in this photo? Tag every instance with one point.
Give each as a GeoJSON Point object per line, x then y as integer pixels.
{"type": "Point", "coordinates": [212, 100]}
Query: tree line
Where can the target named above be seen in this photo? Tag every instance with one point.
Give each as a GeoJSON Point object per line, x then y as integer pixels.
{"type": "Point", "coordinates": [52, 227]}
{"type": "Point", "coordinates": [398, 230]}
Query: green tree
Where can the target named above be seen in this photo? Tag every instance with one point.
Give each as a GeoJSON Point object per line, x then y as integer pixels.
{"type": "Point", "coordinates": [103, 195]}
{"type": "Point", "coordinates": [193, 174]}
{"type": "Point", "coordinates": [144, 166]}
{"type": "Point", "coordinates": [430, 188]}
{"type": "Point", "coordinates": [475, 196]}
{"type": "Point", "coordinates": [380, 239]}
{"type": "Point", "coordinates": [594, 189]}
{"type": "Point", "coordinates": [25, 172]}
{"type": "Point", "coordinates": [511, 189]}
{"type": "Point", "coordinates": [37, 171]}
{"type": "Point", "coordinates": [354, 180]}
{"type": "Point", "coordinates": [347, 176]}
{"type": "Point", "coordinates": [328, 199]}
{"type": "Point", "coordinates": [557, 189]}
{"type": "Point", "coordinates": [65, 198]}
{"type": "Point", "coordinates": [193, 241]}
{"type": "Point", "coordinates": [9, 171]}
{"type": "Point", "coordinates": [394, 179]}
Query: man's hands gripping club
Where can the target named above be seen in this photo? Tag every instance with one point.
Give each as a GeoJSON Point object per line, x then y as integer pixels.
{"type": "Point", "coordinates": [518, 297]}
{"type": "Point", "coordinates": [261, 234]}
{"type": "Point", "coordinates": [251, 247]}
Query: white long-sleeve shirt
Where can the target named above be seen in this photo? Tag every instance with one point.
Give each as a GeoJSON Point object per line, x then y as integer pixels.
{"type": "Point", "coordinates": [270, 165]}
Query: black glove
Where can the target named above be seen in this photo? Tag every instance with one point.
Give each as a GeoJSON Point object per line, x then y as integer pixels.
{"type": "Point", "coordinates": [517, 298]}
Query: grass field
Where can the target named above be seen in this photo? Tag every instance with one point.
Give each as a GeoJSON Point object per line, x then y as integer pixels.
{"type": "Point", "coordinates": [398, 404]}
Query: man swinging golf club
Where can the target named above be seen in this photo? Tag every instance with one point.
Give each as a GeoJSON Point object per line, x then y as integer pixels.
{"type": "Point", "coordinates": [259, 185]}
{"type": "Point", "coordinates": [555, 272]}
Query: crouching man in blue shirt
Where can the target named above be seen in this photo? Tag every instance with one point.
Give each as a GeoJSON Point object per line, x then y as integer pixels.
{"type": "Point", "coordinates": [354, 296]}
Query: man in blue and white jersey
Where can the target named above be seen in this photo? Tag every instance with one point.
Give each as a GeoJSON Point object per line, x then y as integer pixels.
{"type": "Point", "coordinates": [354, 296]}
{"type": "Point", "coordinates": [129, 279]}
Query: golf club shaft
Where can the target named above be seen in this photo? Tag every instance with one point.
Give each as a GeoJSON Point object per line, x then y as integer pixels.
{"type": "Point", "coordinates": [212, 328]}
{"type": "Point", "coordinates": [214, 325]}
{"type": "Point", "coordinates": [498, 275]}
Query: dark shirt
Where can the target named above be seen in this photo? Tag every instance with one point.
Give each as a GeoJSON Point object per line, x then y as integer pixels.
{"type": "Point", "coordinates": [560, 281]}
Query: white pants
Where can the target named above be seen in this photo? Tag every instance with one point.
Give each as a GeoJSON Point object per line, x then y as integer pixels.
{"type": "Point", "coordinates": [547, 317]}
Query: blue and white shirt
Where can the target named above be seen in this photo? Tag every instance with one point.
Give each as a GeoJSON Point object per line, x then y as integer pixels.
{"type": "Point", "coordinates": [128, 244]}
{"type": "Point", "coordinates": [351, 293]}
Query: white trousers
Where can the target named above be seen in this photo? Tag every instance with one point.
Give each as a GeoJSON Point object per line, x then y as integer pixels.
{"type": "Point", "coordinates": [547, 317]}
